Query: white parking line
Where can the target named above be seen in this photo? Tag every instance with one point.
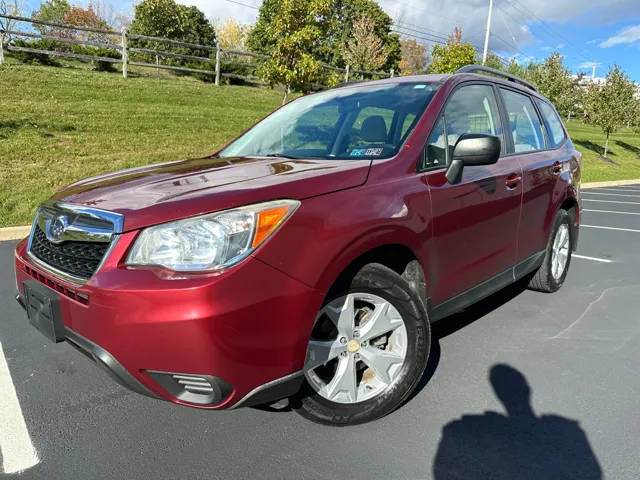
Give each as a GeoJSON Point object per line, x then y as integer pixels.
{"type": "Point", "coordinates": [17, 450]}
{"type": "Point", "coordinates": [620, 190]}
{"type": "Point", "coordinates": [612, 228]}
{"type": "Point", "coordinates": [595, 259]}
{"type": "Point", "coordinates": [612, 194]}
{"type": "Point", "coordinates": [609, 201]}
{"type": "Point", "coordinates": [611, 211]}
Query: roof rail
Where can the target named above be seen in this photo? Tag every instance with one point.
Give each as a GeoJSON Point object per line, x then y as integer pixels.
{"type": "Point", "coordinates": [508, 76]}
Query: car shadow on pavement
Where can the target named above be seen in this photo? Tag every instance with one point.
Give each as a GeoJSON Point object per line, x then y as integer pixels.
{"type": "Point", "coordinates": [518, 445]}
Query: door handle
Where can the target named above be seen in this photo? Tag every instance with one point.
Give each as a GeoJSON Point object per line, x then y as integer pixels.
{"type": "Point", "coordinates": [556, 168]}
{"type": "Point", "coordinates": [513, 181]}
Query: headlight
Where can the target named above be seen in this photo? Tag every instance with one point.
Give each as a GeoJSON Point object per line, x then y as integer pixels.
{"type": "Point", "coordinates": [210, 242]}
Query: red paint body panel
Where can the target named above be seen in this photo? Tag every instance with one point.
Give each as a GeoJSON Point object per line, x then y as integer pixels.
{"type": "Point", "coordinates": [250, 324]}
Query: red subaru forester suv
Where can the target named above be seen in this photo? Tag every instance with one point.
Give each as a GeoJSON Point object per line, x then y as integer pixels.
{"type": "Point", "coordinates": [307, 258]}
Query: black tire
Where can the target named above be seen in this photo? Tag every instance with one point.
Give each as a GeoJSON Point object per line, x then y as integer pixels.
{"type": "Point", "coordinates": [378, 280]}
{"type": "Point", "coordinates": [543, 280]}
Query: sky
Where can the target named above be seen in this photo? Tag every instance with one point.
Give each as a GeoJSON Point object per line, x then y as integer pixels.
{"type": "Point", "coordinates": [585, 32]}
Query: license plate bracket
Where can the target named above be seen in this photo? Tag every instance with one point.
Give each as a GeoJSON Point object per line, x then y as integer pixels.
{"type": "Point", "coordinates": [43, 310]}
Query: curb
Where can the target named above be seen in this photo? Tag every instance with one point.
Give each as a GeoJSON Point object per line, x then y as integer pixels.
{"type": "Point", "coordinates": [14, 233]}
{"type": "Point", "coordinates": [18, 233]}
{"type": "Point", "coordinates": [613, 183]}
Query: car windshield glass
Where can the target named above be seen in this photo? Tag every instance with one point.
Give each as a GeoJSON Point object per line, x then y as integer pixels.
{"type": "Point", "coordinates": [357, 122]}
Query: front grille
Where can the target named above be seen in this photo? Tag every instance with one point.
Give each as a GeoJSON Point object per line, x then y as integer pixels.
{"type": "Point", "coordinates": [79, 259]}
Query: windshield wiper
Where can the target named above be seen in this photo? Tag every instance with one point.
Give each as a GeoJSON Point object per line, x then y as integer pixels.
{"type": "Point", "coordinates": [283, 155]}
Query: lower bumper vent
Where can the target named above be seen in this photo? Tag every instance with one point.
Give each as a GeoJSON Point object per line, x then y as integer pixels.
{"type": "Point", "coordinates": [198, 389]}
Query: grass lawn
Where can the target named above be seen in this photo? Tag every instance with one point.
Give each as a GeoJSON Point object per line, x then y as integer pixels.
{"type": "Point", "coordinates": [624, 151]}
{"type": "Point", "coordinates": [61, 124]}
{"type": "Point", "coordinates": [58, 125]}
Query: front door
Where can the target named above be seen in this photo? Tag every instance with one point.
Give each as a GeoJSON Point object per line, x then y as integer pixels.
{"type": "Point", "coordinates": [475, 222]}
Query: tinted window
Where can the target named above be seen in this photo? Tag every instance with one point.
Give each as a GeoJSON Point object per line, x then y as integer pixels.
{"type": "Point", "coordinates": [552, 122]}
{"type": "Point", "coordinates": [524, 122]}
{"type": "Point", "coordinates": [471, 109]}
{"type": "Point", "coordinates": [368, 121]}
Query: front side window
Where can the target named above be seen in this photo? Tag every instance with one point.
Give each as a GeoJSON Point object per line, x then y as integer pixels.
{"type": "Point", "coordinates": [524, 122]}
{"type": "Point", "coordinates": [552, 122]}
{"type": "Point", "coordinates": [471, 109]}
{"type": "Point", "coordinates": [349, 123]}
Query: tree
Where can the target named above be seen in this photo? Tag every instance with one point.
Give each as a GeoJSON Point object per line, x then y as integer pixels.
{"type": "Point", "coordinates": [232, 35]}
{"type": "Point", "coordinates": [610, 105]}
{"type": "Point", "coordinates": [452, 56]}
{"type": "Point", "coordinates": [168, 19]}
{"type": "Point", "coordinates": [335, 29]}
{"type": "Point", "coordinates": [493, 61]}
{"type": "Point", "coordinates": [51, 11]}
{"type": "Point", "coordinates": [365, 51]}
{"type": "Point", "coordinates": [556, 82]}
{"type": "Point", "coordinates": [414, 57]}
{"type": "Point", "coordinates": [296, 28]}
{"type": "Point", "coordinates": [9, 7]}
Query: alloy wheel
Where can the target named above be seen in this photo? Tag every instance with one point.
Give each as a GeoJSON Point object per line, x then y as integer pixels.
{"type": "Point", "coordinates": [560, 251]}
{"type": "Point", "coordinates": [357, 348]}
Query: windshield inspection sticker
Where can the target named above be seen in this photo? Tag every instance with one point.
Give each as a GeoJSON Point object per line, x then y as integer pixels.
{"type": "Point", "coordinates": [358, 152]}
{"type": "Point", "coordinates": [375, 152]}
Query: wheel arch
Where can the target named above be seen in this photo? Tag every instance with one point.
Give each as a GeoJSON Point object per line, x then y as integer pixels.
{"type": "Point", "coordinates": [570, 205]}
{"type": "Point", "coordinates": [396, 256]}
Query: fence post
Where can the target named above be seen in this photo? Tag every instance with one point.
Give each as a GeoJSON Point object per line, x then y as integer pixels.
{"type": "Point", "coordinates": [1, 48]}
{"type": "Point", "coordinates": [346, 75]}
{"type": "Point", "coordinates": [218, 64]}
{"type": "Point", "coordinates": [125, 54]}
{"type": "Point", "coordinates": [392, 73]}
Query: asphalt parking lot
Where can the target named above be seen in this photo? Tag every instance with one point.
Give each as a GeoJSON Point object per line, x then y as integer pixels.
{"type": "Point", "coordinates": [523, 385]}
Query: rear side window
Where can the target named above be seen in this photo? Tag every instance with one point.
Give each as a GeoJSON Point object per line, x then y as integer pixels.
{"type": "Point", "coordinates": [526, 129]}
{"type": "Point", "coordinates": [471, 109]}
{"type": "Point", "coordinates": [553, 123]}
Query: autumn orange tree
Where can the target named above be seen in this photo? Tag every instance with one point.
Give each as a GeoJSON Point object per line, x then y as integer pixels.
{"type": "Point", "coordinates": [365, 50]}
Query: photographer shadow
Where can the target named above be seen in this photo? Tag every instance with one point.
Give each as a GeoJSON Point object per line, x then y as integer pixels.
{"type": "Point", "coordinates": [518, 445]}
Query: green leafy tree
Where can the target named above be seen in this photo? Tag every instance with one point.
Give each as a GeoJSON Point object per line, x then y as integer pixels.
{"type": "Point", "coordinates": [296, 28]}
{"type": "Point", "coordinates": [452, 56]}
{"type": "Point", "coordinates": [335, 27]}
{"type": "Point", "coordinates": [493, 61]}
{"type": "Point", "coordinates": [51, 11]}
{"type": "Point", "coordinates": [610, 105]}
{"type": "Point", "coordinates": [556, 82]}
{"type": "Point", "coordinates": [168, 19]}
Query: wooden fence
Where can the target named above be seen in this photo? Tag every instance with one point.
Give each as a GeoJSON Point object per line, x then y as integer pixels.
{"type": "Point", "coordinates": [121, 42]}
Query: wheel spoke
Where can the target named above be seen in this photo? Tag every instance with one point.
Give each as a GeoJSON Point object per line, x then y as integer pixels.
{"type": "Point", "coordinates": [342, 314]}
{"type": "Point", "coordinates": [383, 320]}
{"type": "Point", "coordinates": [344, 381]}
{"type": "Point", "coordinates": [380, 361]}
{"type": "Point", "coordinates": [565, 238]}
{"type": "Point", "coordinates": [320, 352]}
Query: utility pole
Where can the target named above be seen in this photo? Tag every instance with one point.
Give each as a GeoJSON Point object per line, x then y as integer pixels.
{"type": "Point", "coordinates": [486, 37]}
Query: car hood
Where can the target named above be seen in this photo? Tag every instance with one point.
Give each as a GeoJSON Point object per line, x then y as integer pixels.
{"type": "Point", "coordinates": [163, 192]}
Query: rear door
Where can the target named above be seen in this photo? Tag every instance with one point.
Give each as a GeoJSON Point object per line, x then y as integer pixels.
{"type": "Point", "coordinates": [541, 167]}
{"type": "Point", "coordinates": [475, 222]}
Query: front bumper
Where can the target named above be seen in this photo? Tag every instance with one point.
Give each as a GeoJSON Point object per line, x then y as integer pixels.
{"type": "Point", "coordinates": [248, 326]}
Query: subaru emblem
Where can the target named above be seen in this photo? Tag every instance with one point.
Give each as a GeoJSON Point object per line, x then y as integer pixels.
{"type": "Point", "coordinates": [56, 228]}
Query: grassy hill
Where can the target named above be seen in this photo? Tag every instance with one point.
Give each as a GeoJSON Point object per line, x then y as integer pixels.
{"type": "Point", "coordinates": [60, 124]}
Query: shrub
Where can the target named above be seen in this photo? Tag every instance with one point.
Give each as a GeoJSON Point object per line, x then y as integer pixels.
{"type": "Point", "coordinates": [99, 65]}
{"type": "Point", "coordinates": [37, 58]}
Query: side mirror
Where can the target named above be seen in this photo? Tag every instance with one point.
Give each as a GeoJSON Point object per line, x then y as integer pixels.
{"type": "Point", "coordinates": [472, 149]}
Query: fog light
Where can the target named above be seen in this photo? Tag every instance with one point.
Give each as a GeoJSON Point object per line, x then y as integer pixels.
{"type": "Point", "coordinates": [198, 389]}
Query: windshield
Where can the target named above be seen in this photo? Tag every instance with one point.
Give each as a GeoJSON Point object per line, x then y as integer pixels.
{"type": "Point", "coordinates": [347, 123]}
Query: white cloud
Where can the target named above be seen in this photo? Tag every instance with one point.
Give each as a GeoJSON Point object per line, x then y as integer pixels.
{"type": "Point", "coordinates": [220, 10]}
{"type": "Point", "coordinates": [630, 34]}
{"type": "Point", "coordinates": [588, 65]}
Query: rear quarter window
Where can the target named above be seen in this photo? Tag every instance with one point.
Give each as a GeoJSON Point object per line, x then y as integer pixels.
{"type": "Point", "coordinates": [552, 123]}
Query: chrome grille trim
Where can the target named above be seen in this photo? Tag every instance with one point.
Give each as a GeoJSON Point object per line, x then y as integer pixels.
{"type": "Point", "coordinates": [86, 225]}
